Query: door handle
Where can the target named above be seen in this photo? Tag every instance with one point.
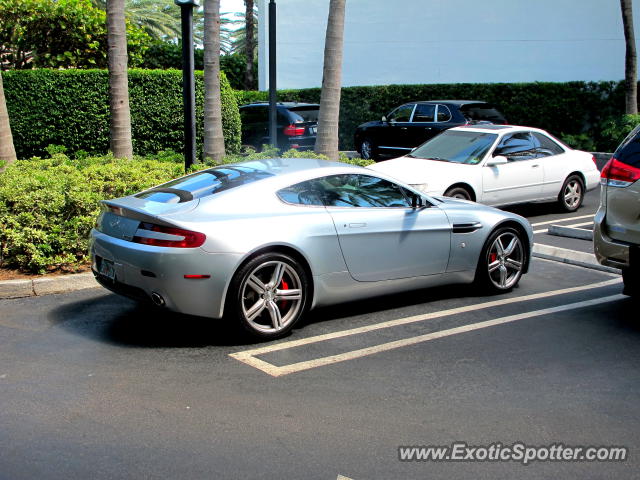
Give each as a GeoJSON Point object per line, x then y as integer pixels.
{"type": "Point", "coordinates": [403, 128]}
{"type": "Point", "coordinates": [535, 166]}
{"type": "Point", "coordinates": [357, 225]}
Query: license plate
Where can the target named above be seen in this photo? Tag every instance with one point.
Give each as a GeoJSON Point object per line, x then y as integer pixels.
{"type": "Point", "coordinates": [313, 130]}
{"type": "Point", "coordinates": [106, 269]}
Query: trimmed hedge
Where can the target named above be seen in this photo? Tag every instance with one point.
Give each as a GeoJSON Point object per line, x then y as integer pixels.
{"type": "Point", "coordinates": [71, 108]}
{"type": "Point", "coordinates": [564, 109]}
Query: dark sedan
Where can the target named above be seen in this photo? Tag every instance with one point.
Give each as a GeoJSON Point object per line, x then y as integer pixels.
{"type": "Point", "coordinates": [412, 124]}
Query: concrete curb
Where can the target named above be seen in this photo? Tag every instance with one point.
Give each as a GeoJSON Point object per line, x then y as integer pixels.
{"type": "Point", "coordinates": [46, 285]}
{"type": "Point", "coordinates": [572, 257]}
{"type": "Point", "coordinates": [570, 232]}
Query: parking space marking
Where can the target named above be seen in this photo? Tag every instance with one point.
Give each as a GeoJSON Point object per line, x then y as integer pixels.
{"type": "Point", "coordinates": [249, 356]}
{"type": "Point", "coordinates": [583, 224]}
{"type": "Point", "coordinates": [566, 219]}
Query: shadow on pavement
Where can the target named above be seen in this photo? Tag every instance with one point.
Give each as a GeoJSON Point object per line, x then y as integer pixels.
{"type": "Point", "coordinates": [117, 320]}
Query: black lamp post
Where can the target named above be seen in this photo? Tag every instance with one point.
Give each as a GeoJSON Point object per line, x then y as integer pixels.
{"type": "Point", "coordinates": [188, 81]}
{"type": "Point", "coordinates": [273, 126]}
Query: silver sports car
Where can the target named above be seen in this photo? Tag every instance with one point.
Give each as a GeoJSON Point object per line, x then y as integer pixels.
{"type": "Point", "coordinates": [261, 242]}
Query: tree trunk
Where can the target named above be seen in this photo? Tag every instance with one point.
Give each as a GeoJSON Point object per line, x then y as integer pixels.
{"type": "Point", "coordinates": [249, 82]}
{"type": "Point", "coordinates": [7, 150]}
{"type": "Point", "coordinates": [213, 137]}
{"type": "Point", "coordinates": [630, 58]}
{"type": "Point", "coordinates": [327, 140]}
{"type": "Point", "coordinates": [120, 127]}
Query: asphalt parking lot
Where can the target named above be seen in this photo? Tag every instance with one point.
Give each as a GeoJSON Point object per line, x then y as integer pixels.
{"type": "Point", "coordinates": [92, 386]}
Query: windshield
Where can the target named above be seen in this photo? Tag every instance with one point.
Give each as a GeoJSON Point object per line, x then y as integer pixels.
{"type": "Point", "coordinates": [207, 182]}
{"type": "Point", "coordinates": [456, 146]}
{"type": "Point", "coordinates": [482, 112]}
{"type": "Point", "coordinates": [305, 114]}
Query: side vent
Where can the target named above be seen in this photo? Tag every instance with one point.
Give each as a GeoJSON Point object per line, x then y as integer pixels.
{"type": "Point", "coordinates": [466, 227]}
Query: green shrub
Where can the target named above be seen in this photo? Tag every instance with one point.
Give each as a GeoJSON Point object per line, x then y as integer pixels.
{"type": "Point", "coordinates": [616, 129]}
{"type": "Point", "coordinates": [581, 141]}
{"type": "Point", "coordinates": [48, 206]}
{"type": "Point", "coordinates": [71, 108]}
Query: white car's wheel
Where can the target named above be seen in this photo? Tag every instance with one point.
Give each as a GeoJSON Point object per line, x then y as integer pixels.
{"type": "Point", "coordinates": [572, 194]}
{"type": "Point", "coordinates": [458, 192]}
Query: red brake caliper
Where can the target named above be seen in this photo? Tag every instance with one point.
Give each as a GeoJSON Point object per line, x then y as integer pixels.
{"type": "Point", "coordinates": [284, 286]}
{"type": "Point", "coordinates": [493, 257]}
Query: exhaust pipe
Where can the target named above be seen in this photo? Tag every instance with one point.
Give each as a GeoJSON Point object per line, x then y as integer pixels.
{"type": "Point", "coordinates": [157, 299]}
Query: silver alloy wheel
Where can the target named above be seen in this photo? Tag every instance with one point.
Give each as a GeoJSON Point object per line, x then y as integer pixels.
{"type": "Point", "coordinates": [505, 260]}
{"type": "Point", "coordinates": [366, 149]}
{"type": "Point", "coordinates": [271, 296]}
{"type": "Point", "coordinates": [572, 194]}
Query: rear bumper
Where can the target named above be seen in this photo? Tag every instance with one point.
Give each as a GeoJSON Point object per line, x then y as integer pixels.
{"type": "Point", "coordinates": [300, 143]}
{"type": "Point", "coordinates": [141, 270]}
{"type": "Point", "coordinates": [592, 179]}
{"type": "Point", "coordinates": [609, 252]}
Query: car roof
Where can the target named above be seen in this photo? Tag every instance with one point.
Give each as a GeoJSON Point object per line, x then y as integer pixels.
{"type": "Point", "coordinates": [281, 104]}
{"type": "Point", "coordinates": [450, 102]}
{"type": "Point", "coordinates": [497, 128]}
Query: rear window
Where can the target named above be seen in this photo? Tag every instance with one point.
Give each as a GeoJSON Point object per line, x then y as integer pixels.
{"type": "Point", "coordinates": [482, 112]}
{"type": "Point", "coordinates": [304, 114]}
{"type": "Point", "coordinates": [201, 184]}
{"type": "Point", "coordinates": [629, 150]}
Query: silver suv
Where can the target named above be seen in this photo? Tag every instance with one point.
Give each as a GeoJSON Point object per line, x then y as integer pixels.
{"type": "Point", "coordinates": [616, 236]}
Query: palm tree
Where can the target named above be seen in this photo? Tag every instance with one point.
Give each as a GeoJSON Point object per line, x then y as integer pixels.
{"type": "Point", "coordinates": [159, 18]}
{"type": "Point", "coordinates": [327, 139]}
{"type": "Point", "coordinates": [249, 45]}
{"type": "Point", "coordinates": [7, 150]}
{"type": "Point", "coordinates": [120, 128]}
{"type": "Point", "coordinates": [631, 59]}
{"type": "Point", "coordinates": [213, 139]}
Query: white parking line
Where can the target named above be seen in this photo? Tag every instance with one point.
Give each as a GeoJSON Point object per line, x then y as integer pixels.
{"type": "Point", "coordinates": [249, 356]}
{"type": "Point", "coordinates": [566, 219]}
{"type": "Point", "coordinates": [583, 224]}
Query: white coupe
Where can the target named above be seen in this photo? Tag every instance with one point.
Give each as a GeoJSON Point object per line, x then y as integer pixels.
{"type": "Point", "coordinates": [497, 165]}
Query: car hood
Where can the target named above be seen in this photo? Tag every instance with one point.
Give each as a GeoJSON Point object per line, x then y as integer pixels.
{"type": "Point", "coordinates": [418, 170]}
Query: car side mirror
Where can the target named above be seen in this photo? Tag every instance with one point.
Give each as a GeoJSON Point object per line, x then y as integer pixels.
{"type": "Point", "coordinates": [417, 201]}
{"type": "Point", "coordinates": [384, 118]}
{"type": "Point", "coordinates": [497, 160]}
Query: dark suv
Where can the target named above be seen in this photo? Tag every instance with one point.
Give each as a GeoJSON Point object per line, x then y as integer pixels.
{"type": "Point", "coordinates": [412, 124]}
{"type": "Point", "coordinates": [297, 125]}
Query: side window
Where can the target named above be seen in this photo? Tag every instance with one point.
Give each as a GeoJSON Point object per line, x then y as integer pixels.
{"type": "Point", "coordinates": [546, 147]}
{"type": "Point", "coordinates": [444, 114]}
{"type": "Point", "coordinates": [424, 113]}
{"type": "Point", "coordinates": [517, 147]}
{"type": "Point", "coordinates": [253, 115]}
{"type": "Point", "coordinates": [282, 117]}
{"type": "Point", "coordinates": [401, 114]}
{"type": "Point", "coordinates": [305, 193]}
{"type": "Point", "coordinates": [363, 191]}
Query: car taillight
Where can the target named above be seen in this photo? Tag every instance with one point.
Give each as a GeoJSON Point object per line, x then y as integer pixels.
{"type": "Point", "coordinates": [618, 174]}
{"type": "Point", "coordinates": [293, 130]}
{"type": "Point", "coordinates": [595, 162]}
{"type": "Point", "coordinates": [160, 236]}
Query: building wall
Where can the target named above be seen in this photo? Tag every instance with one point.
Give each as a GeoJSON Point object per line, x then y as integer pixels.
{"type": "Point", "coordinates": [450, 41]}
